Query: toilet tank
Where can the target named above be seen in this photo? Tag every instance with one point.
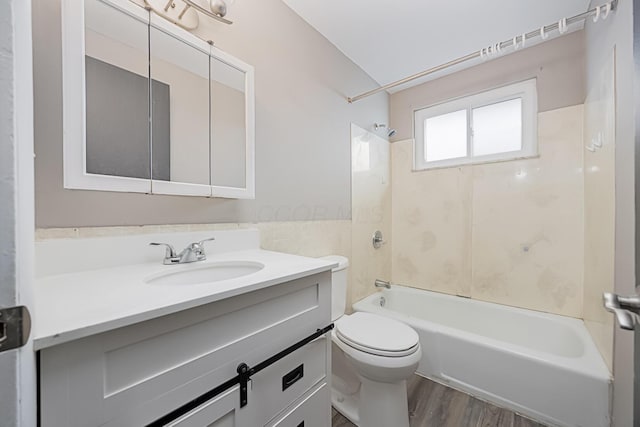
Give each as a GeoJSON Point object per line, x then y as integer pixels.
{"type": "Point", "coordinates": [338, 285]}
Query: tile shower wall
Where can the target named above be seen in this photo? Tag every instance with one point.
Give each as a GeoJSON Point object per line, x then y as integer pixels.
{"type": "Point", "coordinates": [599, 194]}
{"type": "Point", "coordinates": [508, 232]}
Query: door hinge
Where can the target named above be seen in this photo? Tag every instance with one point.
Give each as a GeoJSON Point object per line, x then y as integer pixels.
{"type": "Point", "coordinates": [15, 327]}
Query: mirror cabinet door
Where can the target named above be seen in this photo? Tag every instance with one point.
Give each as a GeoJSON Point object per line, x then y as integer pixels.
{"type": "Point", "coordinates": [179, 114]}
{"type": "Point", "coordinates": [231, 129]}
{"type": "Point", "coordinates": [106, 82]}
{"type": "Point", "coordinates": [228, 136]}
{"type": "Point", "coordinates": [117, 93]}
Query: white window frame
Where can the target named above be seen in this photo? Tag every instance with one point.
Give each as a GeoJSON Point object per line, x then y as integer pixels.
{"type": "Point", "coordinates": [526, 91]}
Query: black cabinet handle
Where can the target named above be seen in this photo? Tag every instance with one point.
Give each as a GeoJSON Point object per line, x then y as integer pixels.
{"type": "Point", "coordinates": [290, 379]}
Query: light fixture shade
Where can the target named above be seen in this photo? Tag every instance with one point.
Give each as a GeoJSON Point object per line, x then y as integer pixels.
{"type": "Point", "coordinates": [219, 7]}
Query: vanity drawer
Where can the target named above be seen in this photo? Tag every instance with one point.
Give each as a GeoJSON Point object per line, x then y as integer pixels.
{"type": "Point", "coordinates": [280, 384]}
{"type": "Point", "coordinates": [312, 410]}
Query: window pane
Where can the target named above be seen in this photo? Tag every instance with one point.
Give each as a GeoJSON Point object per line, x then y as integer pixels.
{"type": "Point", "coordinates": [446, 136]}
{"type": "Point", "coordinates": [497, 128]}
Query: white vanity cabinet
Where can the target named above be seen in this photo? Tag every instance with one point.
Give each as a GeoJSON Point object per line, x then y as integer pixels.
{"type": "Point", "coordinates": [138, 374]}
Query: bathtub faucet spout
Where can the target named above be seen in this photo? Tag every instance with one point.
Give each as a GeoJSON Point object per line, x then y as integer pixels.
{"type": "Point", "coordinates": [382, 284]}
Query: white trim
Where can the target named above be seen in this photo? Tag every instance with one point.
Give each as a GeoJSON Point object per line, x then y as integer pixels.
{"type": "Point", "coordinates": [524, 90]}
{"type": "Point", "coordinates": [180, 188]}
{"type": "Point", "coordinates": [18, 376]}
{"type": "Point", "coordinates": [232, 192]}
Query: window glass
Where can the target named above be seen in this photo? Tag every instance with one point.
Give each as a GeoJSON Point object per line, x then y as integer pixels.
{"type": "Point", "coordinates": [446, 136]}
{"type": "Point", "coordinates": [496, 125]}
{"type": "Point", "coordinates": [497, 128]}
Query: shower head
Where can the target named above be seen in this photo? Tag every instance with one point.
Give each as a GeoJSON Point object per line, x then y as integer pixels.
{"type": "Point", "coordinates": [390, 131]}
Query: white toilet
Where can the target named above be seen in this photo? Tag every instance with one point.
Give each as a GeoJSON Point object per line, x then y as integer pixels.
{"type": "Point", "coordinates": [372, 357]}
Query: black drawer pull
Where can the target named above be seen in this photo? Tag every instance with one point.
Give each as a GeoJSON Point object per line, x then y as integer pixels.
{"type": "Point", "coordinates": [290, 379]}
{"type": "Point", "coordinates": [301, 424]}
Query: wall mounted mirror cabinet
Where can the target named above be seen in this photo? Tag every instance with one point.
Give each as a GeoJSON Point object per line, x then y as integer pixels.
{"type": "Point", "coordinates": [151, 108]}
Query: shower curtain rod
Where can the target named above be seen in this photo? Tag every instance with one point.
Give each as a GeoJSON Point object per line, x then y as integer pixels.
{"type": "Point", "coordinates": [596, 11]}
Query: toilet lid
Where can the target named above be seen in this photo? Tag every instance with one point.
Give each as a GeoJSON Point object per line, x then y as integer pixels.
{"type": "Point", "coordinates": [378, 335]}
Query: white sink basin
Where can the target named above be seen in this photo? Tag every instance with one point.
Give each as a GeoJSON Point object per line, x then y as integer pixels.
{"type": "Point", "coordinates": [207, 273]}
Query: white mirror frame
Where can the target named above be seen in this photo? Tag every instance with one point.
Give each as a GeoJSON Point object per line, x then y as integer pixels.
{"type": "Point", "coordinates": [74, 111]}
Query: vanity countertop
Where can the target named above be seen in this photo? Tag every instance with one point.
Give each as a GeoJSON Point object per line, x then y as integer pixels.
{"type": "Point", "coordinates": [74, 305]}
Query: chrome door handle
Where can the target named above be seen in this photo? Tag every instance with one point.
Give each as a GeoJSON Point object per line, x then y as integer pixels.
{"type": "Point", "coordinates": [631, 303]}
{"type": "Point", "coordinates": [624, 308]}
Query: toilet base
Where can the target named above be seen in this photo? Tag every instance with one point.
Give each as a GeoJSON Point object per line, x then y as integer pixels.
{"type": "Point", "coordinates": [347, 405]}
{"type": "Point", "coordinates": [375, 404]}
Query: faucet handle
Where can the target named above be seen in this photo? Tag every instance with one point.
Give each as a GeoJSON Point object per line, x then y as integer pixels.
{"type": "Point", "coordinates": [201, 242]}
{"type": "Point", "coordinates": [170, 251]}
{"type": "Point", "coordinates": [196, 249]}
{"type": "Point", "coordinates": [199, 246]}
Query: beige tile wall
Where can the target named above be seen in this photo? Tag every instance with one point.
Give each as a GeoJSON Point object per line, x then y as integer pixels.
{"type": "Point", "coordinates": [599, 226]}
{"type": "Point", "coordinates": [431, 222]}
{"type": "Point", "coordinates": [307, 238]}
{"type": "Point", "coordinates": [509, 232]}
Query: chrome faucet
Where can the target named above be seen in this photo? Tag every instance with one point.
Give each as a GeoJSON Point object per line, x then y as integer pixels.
{"type": "Point", "coordinates": [192, 253]}
{"type": "Point", "coordinates": [382, 284]}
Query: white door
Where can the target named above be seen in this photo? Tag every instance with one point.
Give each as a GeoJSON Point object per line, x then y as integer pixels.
{"type": "Point", "coordinates": [17, 366]}
{"type": "Point", "coordinates": [626, 307]}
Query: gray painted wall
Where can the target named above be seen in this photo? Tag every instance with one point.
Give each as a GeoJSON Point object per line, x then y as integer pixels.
{"type": "Point", "coordinates": [601, 38]}
{"type": "Point", "coordinates": [558, 65]}
{"type": "Point", "coordinates": [303, 162]}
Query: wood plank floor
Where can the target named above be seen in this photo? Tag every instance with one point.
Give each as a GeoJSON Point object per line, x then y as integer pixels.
{"type": "Point", "coordinates": [434, 405]}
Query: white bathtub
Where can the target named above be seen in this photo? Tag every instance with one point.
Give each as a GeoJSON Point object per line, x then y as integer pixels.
{"type": "Point", "coordinates": [541, 365]}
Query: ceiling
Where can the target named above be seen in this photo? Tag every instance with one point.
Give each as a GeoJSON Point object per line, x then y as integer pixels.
{"type": "Point", "coordinates": [392, 39]}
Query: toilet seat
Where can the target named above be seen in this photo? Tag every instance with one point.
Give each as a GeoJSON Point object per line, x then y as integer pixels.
{"type": "Point", "coordinates": [377, 335]}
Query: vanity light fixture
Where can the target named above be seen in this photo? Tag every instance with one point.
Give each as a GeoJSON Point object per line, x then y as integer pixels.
{"type": "Point", "coordinates": [184, 13]}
